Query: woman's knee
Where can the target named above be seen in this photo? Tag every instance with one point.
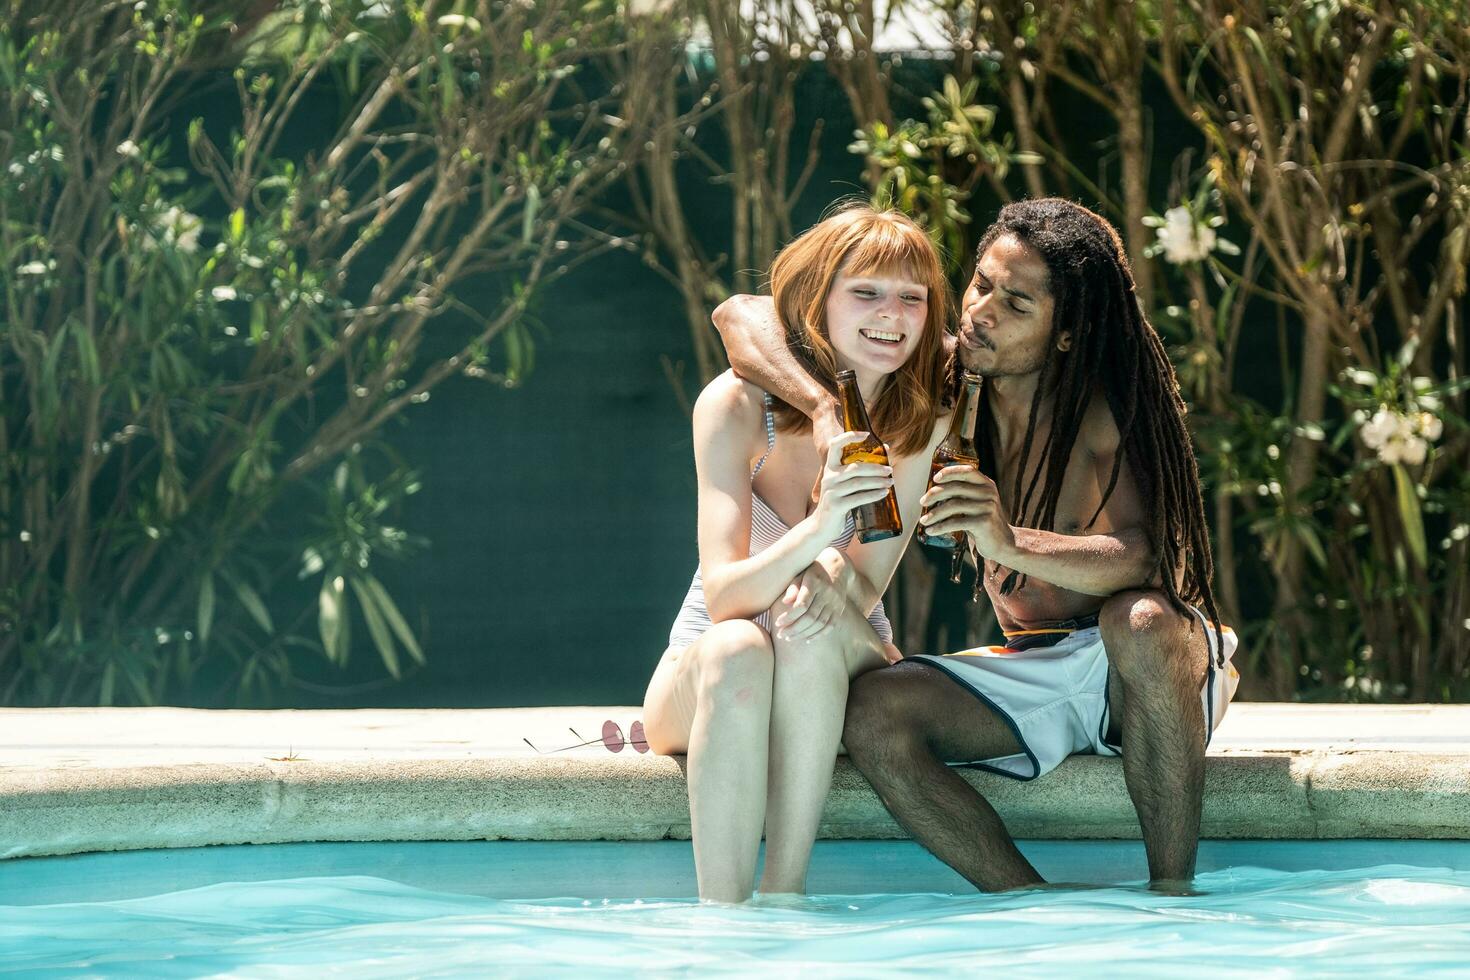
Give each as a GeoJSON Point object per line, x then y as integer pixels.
{"type": "Point", "coordinates": [830, 650]}
{"type": "Point", "coordinates": [736, 663]}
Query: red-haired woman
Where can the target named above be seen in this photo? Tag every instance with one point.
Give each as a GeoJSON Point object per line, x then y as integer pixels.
{"type": "Point", "coordinates": [786, 604]}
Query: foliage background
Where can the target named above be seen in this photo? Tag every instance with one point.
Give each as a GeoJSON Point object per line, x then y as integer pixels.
{"type": "Point", "coordinates": [1292, 180]}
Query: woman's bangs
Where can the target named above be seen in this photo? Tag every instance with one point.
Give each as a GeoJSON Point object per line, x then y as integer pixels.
{"type": "Point", "coordinates": [889, 249]}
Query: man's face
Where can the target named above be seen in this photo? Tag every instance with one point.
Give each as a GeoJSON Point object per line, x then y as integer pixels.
{"type": "Point", "coordinates": [1005, 316]}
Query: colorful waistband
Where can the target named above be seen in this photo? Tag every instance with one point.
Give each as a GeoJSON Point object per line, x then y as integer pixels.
{"type": "Point", "coordinates": [1049, 635]}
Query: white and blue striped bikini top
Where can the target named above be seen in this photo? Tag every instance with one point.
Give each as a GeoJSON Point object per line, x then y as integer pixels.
{"type": "Point", "coordinates": [766, 527]}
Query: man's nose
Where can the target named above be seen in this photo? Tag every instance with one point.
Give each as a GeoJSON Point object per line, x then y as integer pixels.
{"type": "Point", "coordinates": [979, 310]}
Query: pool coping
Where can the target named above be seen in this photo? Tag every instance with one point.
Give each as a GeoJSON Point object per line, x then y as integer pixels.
{"type": "Point", "coordinates": [101, 779]}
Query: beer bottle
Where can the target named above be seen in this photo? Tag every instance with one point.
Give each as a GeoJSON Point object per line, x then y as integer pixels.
{"type": "Point", "coordinates": [957, 449]}
{"type": "Point", "coordinates": [879, 519]}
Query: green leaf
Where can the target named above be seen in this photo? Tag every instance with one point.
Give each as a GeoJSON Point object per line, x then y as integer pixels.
{"type": "Point", "coordinates": [377, 628]}
{"type": "Point", "coordinates": [395, 618]}
{"type": "Point", "coordinates": [1313, 544]}
{"type": "Point", "coordinates": [52, 361]}
{"type": "Point", "coordinates": [205, 613]}
{"type": "Point", "coordinates": [448, 91]}
{"type": "Point", "coordinates": [331, 619]}
{"type": "Point", "coordinates": [257, 320]}
{"type": "Point", "coordinates": [250, 599]}
{"type": "Point", "coordinates": [137, 682]}
{"type": "Point", "coordinates": [87, 355]}
{"type": "Point", "coordinates": [1410, 514]}
{"type": "Point", "coordinates": [528, 215]}
{"type": "Point", "coordinates": [109, 681]}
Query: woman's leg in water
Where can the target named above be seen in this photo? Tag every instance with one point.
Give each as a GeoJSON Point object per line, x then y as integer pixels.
{"type": "Point", "coordinates": [809, 699]}
{"type": "Point", "coordinates": [713, 701]}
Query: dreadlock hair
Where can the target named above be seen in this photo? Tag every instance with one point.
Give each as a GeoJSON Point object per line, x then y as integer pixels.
{"type": "Point", "coordinates": [1116, 349]}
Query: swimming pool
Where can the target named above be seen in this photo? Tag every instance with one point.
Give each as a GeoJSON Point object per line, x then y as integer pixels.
{"type": "Point", "coordinates": [878, 907]}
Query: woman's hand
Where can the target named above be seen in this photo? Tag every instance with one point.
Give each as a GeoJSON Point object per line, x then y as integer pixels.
{"type": "Point", "coordinates": [845, 487]}
{"type": "Point", "coordinates": [810, 605]}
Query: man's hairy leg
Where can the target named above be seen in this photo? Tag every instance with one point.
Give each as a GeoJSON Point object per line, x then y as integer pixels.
{"type": "Point", "coordinates": [1158, 666]}
{"type": "Point", "coordinates": [902, 723]}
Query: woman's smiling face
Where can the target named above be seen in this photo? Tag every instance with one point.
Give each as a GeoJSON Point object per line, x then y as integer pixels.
{"type": "Point", "coordinates": [875, 321]}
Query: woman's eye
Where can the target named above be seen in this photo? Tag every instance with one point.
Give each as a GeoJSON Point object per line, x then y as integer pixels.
{"type": "Point", "coordinates": [913, 299]}
{"type": "Point", "coordinates": [865, 293]}
{"type": "Point", "coordinates": [1018, 309]}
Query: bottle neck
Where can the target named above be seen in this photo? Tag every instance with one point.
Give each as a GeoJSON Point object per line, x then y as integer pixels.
{"type": "Point", "coordinates": [854, 412]}
{"type": "Point", "coordinates": [969, 409]}
{"type": "Point", "coordinates": [962, 422]}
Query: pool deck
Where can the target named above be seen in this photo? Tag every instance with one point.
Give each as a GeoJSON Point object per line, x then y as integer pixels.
{"type": "Point", "coordinates": [101, 779]}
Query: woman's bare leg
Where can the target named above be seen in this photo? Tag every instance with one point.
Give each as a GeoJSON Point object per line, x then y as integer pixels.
{"type": "Point", "coordinates": [713, 701]}
{"type": "Point", "coordinates": [809, 699]}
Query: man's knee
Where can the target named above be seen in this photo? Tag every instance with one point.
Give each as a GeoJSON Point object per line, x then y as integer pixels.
{"type": "Point", "coordinates": [1142, 632]}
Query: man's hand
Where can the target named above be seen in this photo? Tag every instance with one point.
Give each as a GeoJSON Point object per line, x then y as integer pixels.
{"type": "Point", "coordinates": [809, 605]}
{"type": "Point", "coordinates": [964, 499]}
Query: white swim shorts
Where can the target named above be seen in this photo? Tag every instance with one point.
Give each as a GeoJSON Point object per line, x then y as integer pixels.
{"type": "Point", "coordinates": [1051, 687]}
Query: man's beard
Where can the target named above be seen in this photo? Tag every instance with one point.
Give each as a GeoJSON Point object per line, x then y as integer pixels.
{"type": "Point", "coordinates": [969, 359]}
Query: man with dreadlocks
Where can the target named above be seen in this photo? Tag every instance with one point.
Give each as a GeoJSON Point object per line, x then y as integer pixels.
{"type": "Point", "coordinates": [1088, 529]}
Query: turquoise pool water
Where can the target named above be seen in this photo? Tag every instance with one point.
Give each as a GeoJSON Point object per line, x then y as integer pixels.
{"type": "Point", "coordinates": [602, 909]}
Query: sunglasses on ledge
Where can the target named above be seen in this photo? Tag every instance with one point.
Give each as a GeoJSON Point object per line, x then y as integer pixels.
{"type": "Point", "coordinates": [612, 739]}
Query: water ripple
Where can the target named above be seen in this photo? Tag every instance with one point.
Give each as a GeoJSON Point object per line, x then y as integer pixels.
{"type": "Point", "coordinates": [1245, 921]}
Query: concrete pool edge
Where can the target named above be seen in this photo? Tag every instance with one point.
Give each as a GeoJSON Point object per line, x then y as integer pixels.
{"type": "Point", "coordinates": [120, 779]}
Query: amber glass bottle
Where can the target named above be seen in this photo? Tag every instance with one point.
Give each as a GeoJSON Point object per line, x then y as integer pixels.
{"type": "Point", "coordinates": [957, 449]}
{"type": "Point", "coordinates": [879, 519]}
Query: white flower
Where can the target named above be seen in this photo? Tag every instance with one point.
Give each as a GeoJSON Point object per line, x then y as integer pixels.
{"type": "Point", "coordinates": [1183, 238]}
{"type": "Point", "coordinates": [223, 293]}
{"type": "Point", "coordinates": [178, 228]}
{"type": "Point", "coordinates": [128, 148]}
{"type": "Point", "coordinates": [1380, 428]}
{"type": "Point", "coordinates": [648, 8]}
{"type": "Point", "coordinates": [1430, 426]}
{"type": "Point", "coordinates": [459, 20]}
{"type": "Point", "coordinates": [1360, 377]}
{"type": "Point", "coordinates": [1312, 431]}
{"type": "Point", "coordinates": [37, 268]}
{"type": "Point", "coordinates": [1395, 438]}
{"type": "Point", "coordinates": [1412, 451]}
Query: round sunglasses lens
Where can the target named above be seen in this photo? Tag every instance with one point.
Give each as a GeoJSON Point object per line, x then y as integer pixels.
{"type": "Point", "coordinates": [612, 736]}
{"type": "Point", "coordinates": [636, 736]}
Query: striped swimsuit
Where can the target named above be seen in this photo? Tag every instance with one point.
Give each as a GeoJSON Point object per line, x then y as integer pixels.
{"type": "Point", "coordinates": [766, 527]}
